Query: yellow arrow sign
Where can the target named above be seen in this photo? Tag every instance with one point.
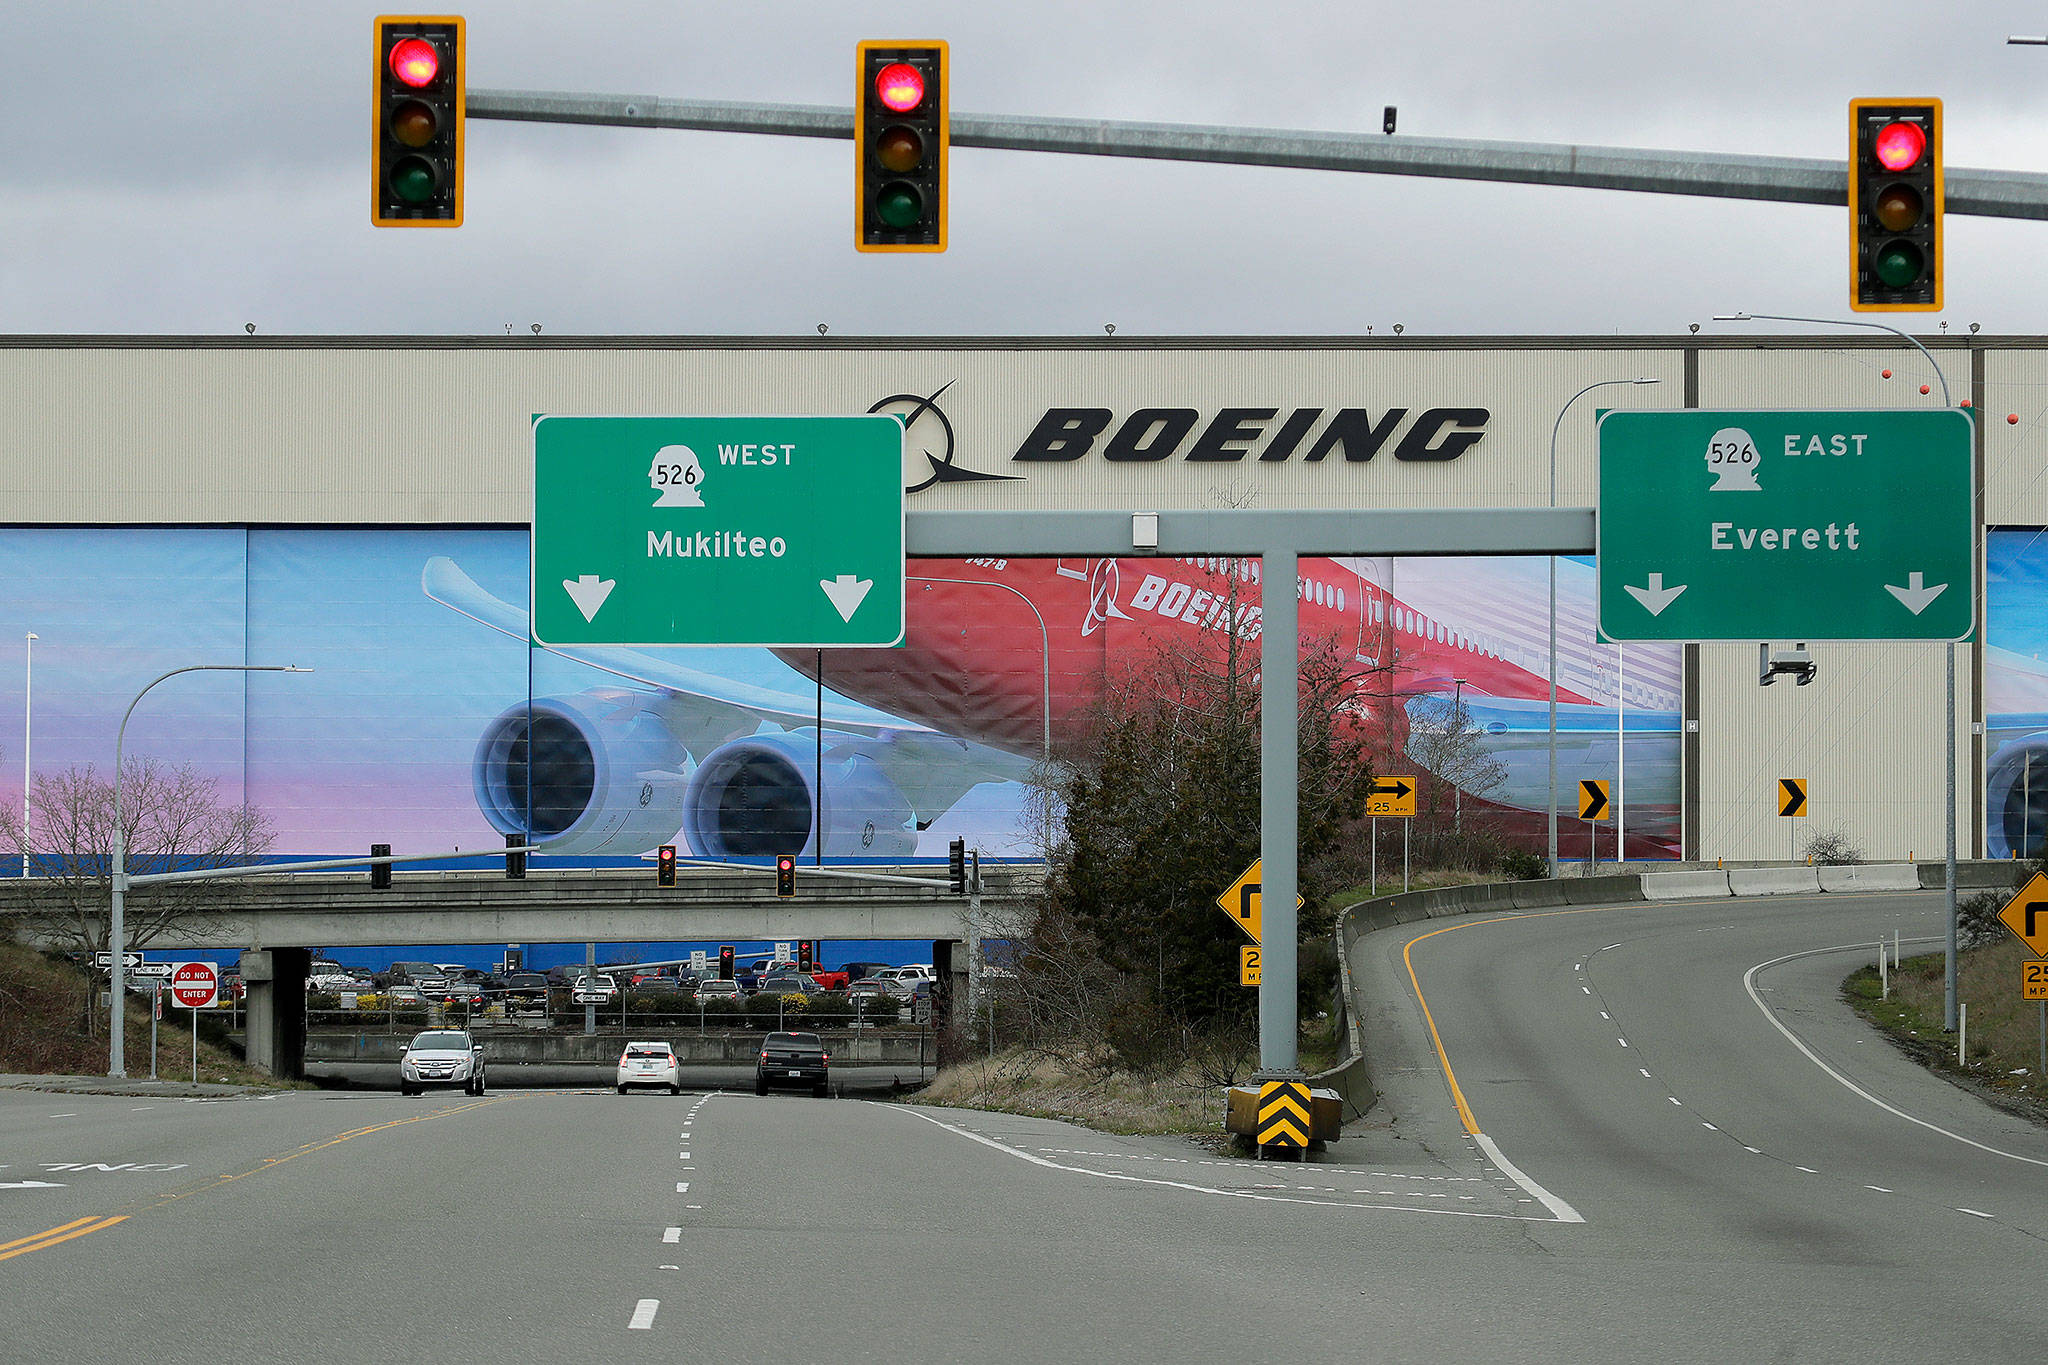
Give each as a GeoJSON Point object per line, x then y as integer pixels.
{"type": "Point", "coordinates": [1392, 794]}
{"type": "Point", "coordinates": [2026, 914]}
{"type": "Point", "coordinates": [1791, 796]}
{"type": "Point", "coordinates": [1241, 901]}
{"type": "Point", "coordinates": [1593, 799]}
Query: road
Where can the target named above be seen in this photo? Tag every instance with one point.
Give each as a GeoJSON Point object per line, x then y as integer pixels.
{"type": "Point", "coordinates": [1736, 1203]}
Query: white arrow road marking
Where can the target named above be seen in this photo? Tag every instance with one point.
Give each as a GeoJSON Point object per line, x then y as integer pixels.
{"type": "Point", "coordinates": [1915, 597]}
{"type": "Point", "coordinates": [847, 593]}
{"type": "Point", "coordinates": [589, 592]}
{"type": "Point", "coordinates": [1655, 597]}
{"type": "Point", "coordinates": [31, 1185]}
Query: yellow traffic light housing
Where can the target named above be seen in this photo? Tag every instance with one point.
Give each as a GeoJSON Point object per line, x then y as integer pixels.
{"type": "Point", "coordinates": [1895, 205]}
{"type": "Point", "coordinates": [416, 156]}
{"type": "Point", "coordinates": [901, 134]}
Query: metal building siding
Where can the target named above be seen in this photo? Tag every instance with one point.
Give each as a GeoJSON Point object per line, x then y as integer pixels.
{"type": "Point", "coordinates": [1866, 736]}
{"type": "Point", "coordinates": [403, 433]}
{"type": "Point", "coordinates": [2015, 453]}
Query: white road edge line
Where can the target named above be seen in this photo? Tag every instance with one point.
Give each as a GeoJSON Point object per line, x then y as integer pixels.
{"type": "Point", "coordinates": [1500, 1161]}
{"type": "Point", "coordinates": [643, 1315]}
{"type": "Point", "coordinates": [1563, 1212]}
{"type": "Point", "coordinates": [1749, 985]}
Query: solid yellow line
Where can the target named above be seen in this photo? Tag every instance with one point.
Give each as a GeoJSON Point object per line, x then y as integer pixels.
{"type": "Point", "coordinates": [5, 1246]}
{"type": "Point", "coordinates": [51, 1238]}
{"type": "Point", "coordinates": [1450, 1076]}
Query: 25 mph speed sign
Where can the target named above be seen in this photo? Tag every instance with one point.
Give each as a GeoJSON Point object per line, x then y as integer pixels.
{"type": "Point", "coordinates": [194, 985]}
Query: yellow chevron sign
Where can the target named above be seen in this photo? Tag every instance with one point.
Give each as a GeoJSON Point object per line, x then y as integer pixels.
{"type": "Point", "coordinates": [1283, 1114]}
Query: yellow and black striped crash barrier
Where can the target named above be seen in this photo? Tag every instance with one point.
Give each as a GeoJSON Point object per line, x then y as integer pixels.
{"type": "Point", "coordinates": [1283, 1114]}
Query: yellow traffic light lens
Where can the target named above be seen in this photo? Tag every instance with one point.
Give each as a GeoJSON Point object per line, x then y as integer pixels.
{"type": "Point", "coordinates": [899, 149]}
{"type": "Point", "coordinates": [414, 124]}
{"type": "Point", "coordinates": [1898, 207]}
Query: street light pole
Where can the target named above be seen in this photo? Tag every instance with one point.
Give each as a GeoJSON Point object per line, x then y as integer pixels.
{"type": "Point", "coordinates": [117, 1062]}
{"type": "Point", "coordinates": [1554, 426]}
{"type": "Point", "coordinates": [1458, 738]}
{"type": "Point", "coordinates": [1948, 656]}
{"type": "Point", "coordinates": [28, 703]}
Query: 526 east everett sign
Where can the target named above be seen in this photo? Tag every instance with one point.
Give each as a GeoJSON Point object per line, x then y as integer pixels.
{"type": "Point", "coordinates": [718, 530]}
{"type": "Point", "coordinates": [1786, 525]}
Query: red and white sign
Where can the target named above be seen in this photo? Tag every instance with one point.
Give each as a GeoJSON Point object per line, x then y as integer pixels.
{"type": "Point", "coordinates": [194, 985]}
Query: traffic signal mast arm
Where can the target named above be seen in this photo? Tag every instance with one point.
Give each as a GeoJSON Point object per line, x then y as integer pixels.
{"type": "Point", "coordinates": [1795, 180]}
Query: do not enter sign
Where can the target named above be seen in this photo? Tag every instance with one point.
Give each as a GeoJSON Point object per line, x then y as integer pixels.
{"type": "Point", "coordinates": [194, 985]}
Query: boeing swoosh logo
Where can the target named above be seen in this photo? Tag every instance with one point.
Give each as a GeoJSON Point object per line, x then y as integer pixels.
{"type": "Point", "coordinates": [925, 424]}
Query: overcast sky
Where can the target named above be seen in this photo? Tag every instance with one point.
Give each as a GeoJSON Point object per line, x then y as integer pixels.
{"type": "Point", "coordinates": [180, 167]}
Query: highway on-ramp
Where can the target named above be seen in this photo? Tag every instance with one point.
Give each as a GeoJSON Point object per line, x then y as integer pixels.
{"type": "Point", "coordinates": [1780, 1185]}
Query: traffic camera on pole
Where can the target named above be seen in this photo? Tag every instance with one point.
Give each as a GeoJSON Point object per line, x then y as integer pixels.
{"type": "Point", "coordinates": [785, 874]}
{"type": "Point", "coordinates": [1895, 205]}
{"type": "Point", "coordinates": [900, 138]}
{"type": "Point", "coordinates": [665, 865]}
{"type": "Point", "coordinates": [416, 163]}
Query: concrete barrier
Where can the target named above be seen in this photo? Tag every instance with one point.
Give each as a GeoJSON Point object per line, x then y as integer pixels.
{"type": "Point", "coordinates": [1869, 877]}
{"type": "Point", "coordinates": [1672, 886]}
{"type": "Point", "coordinates": [1773, 881]}
{"type": "Point", "coordinates": [1601, 890]}
{"type": "Point", "coordinates": [1979, 875]}
{"type": "Point", "coordinates": [1542, 895]}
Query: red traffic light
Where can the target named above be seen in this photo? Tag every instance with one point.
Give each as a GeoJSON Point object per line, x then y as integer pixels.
{"type": "Point", "coordinates": [1899, 146]}
{"type": "Point", "coordinates": [415, 61]}
{"type": "Point", "coordinates": [900, 87]}
{"type": "Point", "coordinates": [785, 874]}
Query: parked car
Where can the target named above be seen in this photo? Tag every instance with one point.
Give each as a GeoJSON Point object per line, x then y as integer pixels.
{"type": "Point", "coordinates": [403, 994]}
{"type": "Point", "coordinates": [441, 1057]}
{"type": "Point", "coordinates": [869, 988]}
{"type": "Point", "coordinates": [525, 991]}
{"type": "Point", "coordinates": [787, 983]}
{"type": "Point", "coordinates": [857, 971]}
{"type": "Point", "coordinates": [716, 989]}
{"type": "Point", "coordinates": [650, 1064]}
{"type": "Point", "coordinates": [425, 975]}
{"type": "Point", "coordinates": [832, 980]}
{"type": "Point", "coordinates": [456, 992]}
{"type": "Point", "coordinates": [793, 1059]}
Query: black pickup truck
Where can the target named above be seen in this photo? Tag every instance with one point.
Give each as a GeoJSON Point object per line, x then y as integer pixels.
{"type": "Point", "coordinates": [793, 1059]}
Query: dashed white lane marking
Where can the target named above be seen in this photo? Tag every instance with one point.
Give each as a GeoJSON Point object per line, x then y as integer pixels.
{"type": "Point", "coordinates": [672, 1235]}
{"type": "Point", "coordinates": [1974, 1213]}
{"type": "Point", "coordinates": [1645, 1071]}
{"type": "Point", "coordinates": [1610, 946]}
{"type": "Point", "coordinates": [1605, 1015]}
{"type": "Point", "coordinates": [643, 1315]}
{"type": "Point", "coordinates": [1622, 1041]}
{"type": "Point", "coordinates": [1587, 989]}
{"type": "Point", "coordinates": [683, 1155]}
{"type": "Point", "coordinates": [1879, 1188]}
{"type": "Point", "coordinates": [1036, 1160]}
{"type": "Point", "coordinates": [682, 1187]}
{"type": "Point", "coordinates": [671, 1267]}
{"type": "Point", "coordinates": [1674, 1100]}
{"type": "Point", "coordinates": [140, 1107]}
{"type": "Point", "coordinates": [1808, 1169]}
{"type": "Point", "coordinates": [63, 1116]}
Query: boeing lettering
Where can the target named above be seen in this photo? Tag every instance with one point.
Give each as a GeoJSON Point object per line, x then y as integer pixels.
{"type": "Point", "coordinates": [1150, 435]}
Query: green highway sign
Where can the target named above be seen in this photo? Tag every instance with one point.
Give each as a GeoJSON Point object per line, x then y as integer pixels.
{"type": "Point", "coordinates": [1786, 525]}
{"type": "Point", "coordinates": [718, 531]}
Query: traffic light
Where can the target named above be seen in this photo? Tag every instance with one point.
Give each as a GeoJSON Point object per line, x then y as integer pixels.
{"type": "Point", "coordinates": [956, 866]}
{"type": "Point", "coordinates": [665, 865]}
{"type": "Point", "coordinates": [805, 958]}
{"type": "Point", "coordinates": [416, 164]}
{"type": "Point", "coordinates": [515, 863]}
{"type": "Point", "coordinates": [1895, 204]}
{"type": "Point", "coordinates": [725, 963]}
{"type": "Point", "coordinates": [900, 138]}
{"type": "Point", "coordinates": [785, 874]}
{"type": "Point", "coordinates": [380, 873]}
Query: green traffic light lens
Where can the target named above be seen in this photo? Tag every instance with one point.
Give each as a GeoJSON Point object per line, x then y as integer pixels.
{"type": "Point", "coordinates": [413, 124]}
{"type": "Point", "coordinates": [899, 205]}
{"type": "Point", "coordinates": [414, 180]}
{"type": "Point", "coordinates": [899, 149]}
{"type": "Point", "coordinates": [1898, 264]}
{"type": "Point", "coordinates": [1898, 207]}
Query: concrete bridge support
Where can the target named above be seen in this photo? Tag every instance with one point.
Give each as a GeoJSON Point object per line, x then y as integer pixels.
{"type": "Point", "coordinates": [276, 1010]}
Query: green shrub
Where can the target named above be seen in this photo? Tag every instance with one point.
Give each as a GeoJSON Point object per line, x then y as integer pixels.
{"type": "Point", "coordinates": [1520, 865]}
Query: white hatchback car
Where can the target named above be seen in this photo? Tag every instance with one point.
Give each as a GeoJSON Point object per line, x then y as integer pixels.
{"type": "Point", "coordinates": [650, 1064]}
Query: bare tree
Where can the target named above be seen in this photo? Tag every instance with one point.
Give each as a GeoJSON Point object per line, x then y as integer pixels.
{"type": "Point", "coordinates": [1443, 740]}
{"type": "Point", "coordinates": [173, 819]}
